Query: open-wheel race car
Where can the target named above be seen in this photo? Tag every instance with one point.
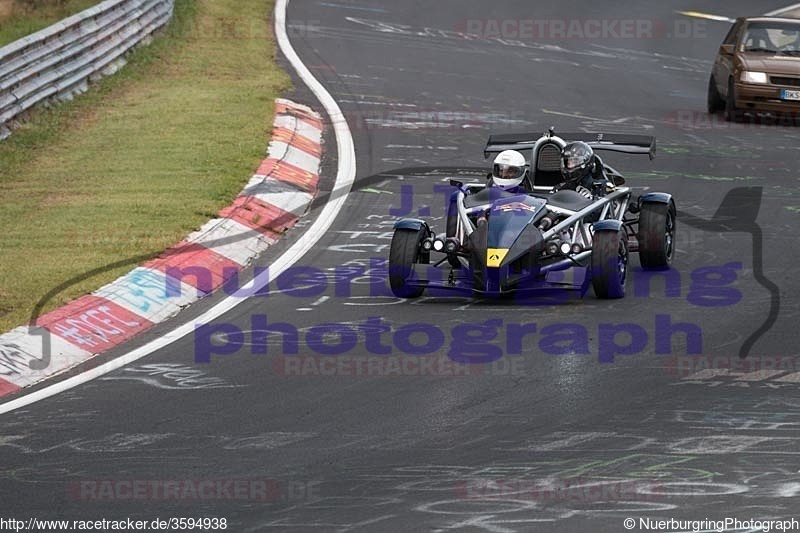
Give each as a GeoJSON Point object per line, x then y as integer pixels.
{"type": "Point", "coordinates": [538, 237]}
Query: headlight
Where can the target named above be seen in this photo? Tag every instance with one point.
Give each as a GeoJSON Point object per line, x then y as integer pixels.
{"type": "Point", "coordinates": [754, 77]}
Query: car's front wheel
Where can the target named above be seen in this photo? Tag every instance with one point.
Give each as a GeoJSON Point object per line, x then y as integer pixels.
{"type": "Point", "coordinates": [730, 112]}
{"type": "Point", "coordinates": [656, 235]}
{"type": "Point", "coordinates": [715, 101]}
{"type": "Point", "coordinates": [609, 263]}
{"type": "Point", "coordinates": [404, 252]}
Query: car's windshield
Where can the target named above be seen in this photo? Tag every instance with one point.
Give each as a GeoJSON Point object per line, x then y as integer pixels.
{"type": "Point", "coordinates": [772, 38]}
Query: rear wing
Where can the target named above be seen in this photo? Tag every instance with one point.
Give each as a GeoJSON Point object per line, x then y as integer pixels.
{"type": "Point", "coordinates": [617, 142]}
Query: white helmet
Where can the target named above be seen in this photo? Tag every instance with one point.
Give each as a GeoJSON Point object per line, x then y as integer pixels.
{"type": "Point", "coordinates": [508, 169]}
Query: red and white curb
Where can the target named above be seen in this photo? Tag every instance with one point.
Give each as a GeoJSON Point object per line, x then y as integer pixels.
{"type": "Point", "coordinates": [274, 199]}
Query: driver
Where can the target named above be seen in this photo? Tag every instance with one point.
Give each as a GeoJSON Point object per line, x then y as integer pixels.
{"type": "Point", "coordinates": [757, 38]}
{"type": "Point", "coordinates": [508, 171]}
{"type": "Point", "coordinates": [582, 171]}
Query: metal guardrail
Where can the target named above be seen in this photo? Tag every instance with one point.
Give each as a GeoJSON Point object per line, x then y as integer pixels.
{"type": "Point", "coordinates": [60, 60]}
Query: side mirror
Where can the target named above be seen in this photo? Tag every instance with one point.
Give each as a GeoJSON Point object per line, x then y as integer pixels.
{"type": "Point", "coordinates": [727, 49]}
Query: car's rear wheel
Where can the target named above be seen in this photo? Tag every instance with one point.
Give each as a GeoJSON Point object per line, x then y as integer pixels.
{"type": "Point", "coordinates": [656, 235]}
{"type": "Point", "coordinates": [730, 112]}
{"type": "Point", "coordinates": [404, 252]}
{"type": "Point", "coordinates": [609, 263]}
{"type": "Point", "coordinates": [715, 101]}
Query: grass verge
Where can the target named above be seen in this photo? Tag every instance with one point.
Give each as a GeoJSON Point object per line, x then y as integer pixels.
{"type": "Point", "coordinates": [20, 18]}
{"type": "Point", "coordinates": [147, 156]}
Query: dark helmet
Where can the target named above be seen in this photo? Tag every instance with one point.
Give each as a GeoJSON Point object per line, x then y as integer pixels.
{"type": "Point", "coordinates": [577, 159]}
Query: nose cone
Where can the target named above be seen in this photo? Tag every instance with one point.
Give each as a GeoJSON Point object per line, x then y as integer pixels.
{"type": "Point", "coordinates": [495, 256]}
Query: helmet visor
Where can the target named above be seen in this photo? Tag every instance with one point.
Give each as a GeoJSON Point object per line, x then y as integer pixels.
{"type": "Point", "coordinates": [573, 161]}
{"type": "Point", "coordinates": [508, 172]}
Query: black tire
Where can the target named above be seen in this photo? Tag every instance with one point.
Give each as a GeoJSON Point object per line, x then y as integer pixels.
{"type": "Point", "coordinates": [730, 113]}
{"type": "Point", "coordinates": [715, 101]}
{"type": "Point", "coordinates": [609, 263]}
{"type": "Point", "coordinates": [404, 252]}
{"type": "Point", "coordinates": [656, 235]}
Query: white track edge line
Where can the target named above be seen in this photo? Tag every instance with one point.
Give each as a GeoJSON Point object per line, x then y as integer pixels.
{"type": "Point", "coordinates": [781, 10]}
{"type": "Point", "coordinates": [344, 181]}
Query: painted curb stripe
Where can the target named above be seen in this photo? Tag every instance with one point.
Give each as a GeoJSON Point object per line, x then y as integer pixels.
{"type": "Point", "coordinates": [282, 171]}
{"type": "Point", "coordinates": [232, 240]}
{"type": "Point", "coordinates": [283, 195]}
{"type": "Point", "coordinates": [297, 141]}
{"type": "Point", "coordinates": [93, 324]}
{"type": "Point", "coordinates": [23, 345]}
{"type": "Point", "coordinates": [287, 107]}
{"type": "Point", "coordinates": [278, 219]}
{"type": "Point", "coordinates": [6, 387]}
{"type": "Point", "coordinates": [196, 265]}
{"type": "Point", "coordinates": [300, 127]}
{"type": "Point", "coordinates": [294, 156]}
{"type": "Point", "coordinates": [253, 213]}
{"type": "Point", "coordinates": [149, 293]}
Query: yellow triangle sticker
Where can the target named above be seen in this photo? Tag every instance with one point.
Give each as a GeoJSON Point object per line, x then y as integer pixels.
{"type": "Point", "coordinates": [495, 256]}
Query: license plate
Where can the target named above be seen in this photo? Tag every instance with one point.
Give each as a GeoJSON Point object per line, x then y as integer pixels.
{"type": "Point", "coordinates": [789, 94]}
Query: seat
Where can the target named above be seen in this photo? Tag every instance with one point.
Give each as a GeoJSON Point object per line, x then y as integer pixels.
{"type": "Point", "coordinates": [568, 199]}
{"type": "Point", "coordinates": [485, 196]}
{"type": "Point", "coordinates": [547, 167]}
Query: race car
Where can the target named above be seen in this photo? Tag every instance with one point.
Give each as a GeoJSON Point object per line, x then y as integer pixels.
{"type": "Point", "coordinates": [541, 239]}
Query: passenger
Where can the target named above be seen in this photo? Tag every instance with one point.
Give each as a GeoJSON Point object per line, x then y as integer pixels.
{"type": "Point", "coordinates": [509, 171]}
{"type": "Point", "coordinates": [583, 171]}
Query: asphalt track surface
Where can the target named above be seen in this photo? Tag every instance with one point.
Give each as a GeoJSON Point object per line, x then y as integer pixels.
{"type": "Point", "coordinates": [536, 441]}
